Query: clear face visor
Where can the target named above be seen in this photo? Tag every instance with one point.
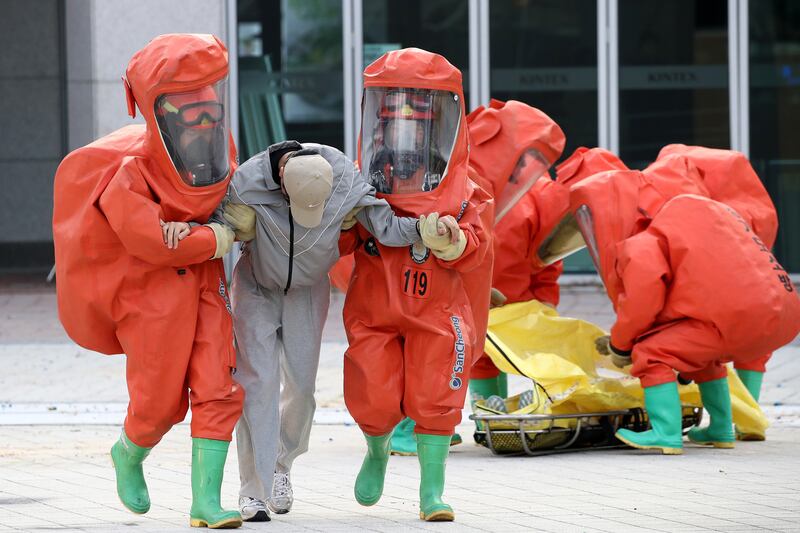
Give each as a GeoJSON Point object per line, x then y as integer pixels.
{"type": "Point", "coordinates": [407, 137]}
{"type": "Point", "coordinates": [583, 216]}
{"type": "Point", "coordinates": [195, 128]}
{"type": "Point", "coordinates": [564, 240]}
{"type": "Point", "coordinates": [529, 168]}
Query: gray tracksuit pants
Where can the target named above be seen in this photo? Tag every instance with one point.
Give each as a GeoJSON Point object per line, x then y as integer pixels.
{"type": "Point", "coordinates": [278, 341]}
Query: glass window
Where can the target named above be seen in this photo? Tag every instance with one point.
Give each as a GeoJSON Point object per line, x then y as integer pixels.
{"type": "Point", "coordinates": [774, 115]}
{"type": "Point", "coordinates": [439, 26]}
{"type": "Point", "coordinates": [544, 53]}
{"type": "Point", "coordinates": [290, 73]}
{"type": "Point", "coordinates": [673, 76]}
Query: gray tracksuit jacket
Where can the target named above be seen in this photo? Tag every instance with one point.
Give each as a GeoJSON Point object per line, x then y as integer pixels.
{"type": "Point", "coordinates": [315, 250]}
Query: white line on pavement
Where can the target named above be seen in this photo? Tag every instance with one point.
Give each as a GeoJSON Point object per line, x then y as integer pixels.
{"type": "Point", "coordinates": [92, 414]}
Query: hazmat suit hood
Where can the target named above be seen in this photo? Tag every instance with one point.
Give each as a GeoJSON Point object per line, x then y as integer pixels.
{"type": "Point", "coordinates": [613, 206]}
{"type": "Point", "coordinates": [583, 163]}
{"type": "Point", "coordinates": [511, 145]}
{"type": "Point", "coordinates": [413, 68]}
{"type": "Point", "coordinates": [177, 64]}
{"type": "Point", "coordinates": [730, 179]}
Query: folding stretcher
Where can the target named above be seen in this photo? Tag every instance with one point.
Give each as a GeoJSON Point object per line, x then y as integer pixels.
{"type": "Point", "coordinates": [578, 399]}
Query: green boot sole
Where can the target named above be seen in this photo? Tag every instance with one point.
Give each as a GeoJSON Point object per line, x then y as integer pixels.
{"type": "Point", "coordinates": [369, 482]}
{"type": "Point", "coordinates": [699, 436]}
{"type": "Point", "coordinates": [628, 437]}
{"type": "Point", "coordinates": [127, 459]}
{"type": "Point", "coordinates": [228, 522]}
{"type": "Point", "coordinates": [750, 437]}
{"type": "Point", "coordinates": [444, 514]}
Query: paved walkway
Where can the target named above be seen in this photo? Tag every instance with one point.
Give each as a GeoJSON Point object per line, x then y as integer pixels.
{"type": "Point", "coordinates": [60, 408]}
{"type": "Point", "coordinates": [60, 477]}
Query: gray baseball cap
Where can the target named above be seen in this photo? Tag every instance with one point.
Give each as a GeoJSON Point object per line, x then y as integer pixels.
{"type": "Point", "coordinates": [308, 180]}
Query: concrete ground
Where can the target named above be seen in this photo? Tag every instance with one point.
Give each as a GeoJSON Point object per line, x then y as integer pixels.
{"type": "Point", "coordinates": [61, 406]}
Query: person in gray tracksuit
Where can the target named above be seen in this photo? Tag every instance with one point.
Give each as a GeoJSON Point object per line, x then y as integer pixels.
{"type": "Point", "coordinates": [280, 295]}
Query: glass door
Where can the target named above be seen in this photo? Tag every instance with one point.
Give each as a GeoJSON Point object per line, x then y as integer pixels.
{"type": "Point", "coordinates": [544, 53]}
{"type": "Point", "coordinates": [673, 76]}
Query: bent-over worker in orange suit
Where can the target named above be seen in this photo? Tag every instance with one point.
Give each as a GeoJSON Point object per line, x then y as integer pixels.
{"type": "Point", "coordinates": [730, 179]}
{"type": "Point", "coordinates": [553, 206]}
{"type": "Point", "coordinates": [511, 147]}
{"type": "Point", "coordinates": [519, 275]}
{"type": "Point", "coordinates": [407, 315]}
{"type": "Point", "coordinates": [683, 272]}
{"type": "Point", "coordinates": [135, 277]}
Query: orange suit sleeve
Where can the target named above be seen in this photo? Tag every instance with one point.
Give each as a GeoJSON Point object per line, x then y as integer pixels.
{"type": "Point", "coordinates": [134, 216]}
{"type": "Point", "coordinates": [544, 284]}
{"type": "Point", "coordinates": [476, 222]}
{"type": "Point", "coordinates": [645, 275]}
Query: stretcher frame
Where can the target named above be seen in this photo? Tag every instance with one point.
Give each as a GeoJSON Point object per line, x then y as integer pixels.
{"type": "Point", "coordinates": [599, 424]}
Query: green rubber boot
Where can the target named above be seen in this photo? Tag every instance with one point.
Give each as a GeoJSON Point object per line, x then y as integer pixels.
{"type": "Point", "coordinates": [480, 389]}
{"type": "Point", "coordinates": [717, 402]}
{"type": "Point", "coordinates": [369, 483]}
{"type": "Point", "coordinates": [502, 385]}
{"type": "Point", "coordinates": [208, 464]}
{"type": "Point", "coordinates": [403, 440]}
{"type": "Point", "coordinates": [433, 450]}
{"type": "Point", "coordinates": [664, 410]}
{"type": "Point", "coordinates": [131, 487]}
{"type": "Point", "coordinates": [752, 380]}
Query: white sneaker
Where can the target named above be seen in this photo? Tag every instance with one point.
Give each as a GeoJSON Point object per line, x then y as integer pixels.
{"type": "Point", "coordinates": [253, 510]}
{"type": "Point", "coordinates": [282, 497]}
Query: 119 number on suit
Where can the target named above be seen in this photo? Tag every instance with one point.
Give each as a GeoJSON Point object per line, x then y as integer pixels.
{"type": "Point", "coordinates": [416, 282]}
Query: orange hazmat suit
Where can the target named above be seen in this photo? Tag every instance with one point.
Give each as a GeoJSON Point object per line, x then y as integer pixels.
{"type": "Point", "coordinates": [511, 146]}
{"type": "Point", "coordinates": [409, 321]}
{"type": "Point", "coordinates": [730, 179]}
{"type": "Point", "coordinates": [688, 278]}
{"type": "Point", "coordinates": [120, 289]}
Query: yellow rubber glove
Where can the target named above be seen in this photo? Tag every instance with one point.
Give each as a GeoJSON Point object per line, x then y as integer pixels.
{"type": "Point", "coordinates": [452, 251]}
{"type": "Point", "coordinates": [439, 237]}
{"type": "Point", "coordinates": [243, 219]}
{"type": "Point", "coordinates": [350, 218]}
{"type": "Point", "coordinates": [224, 236]}
{"type": "Point", "coordinates": [429, 227]}
{"type": "Point", "coordinates": [604, 347]}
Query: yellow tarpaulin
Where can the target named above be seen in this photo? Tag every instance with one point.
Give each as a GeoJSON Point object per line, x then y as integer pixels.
{"type": "Point", "coordinates": [557, 352]}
